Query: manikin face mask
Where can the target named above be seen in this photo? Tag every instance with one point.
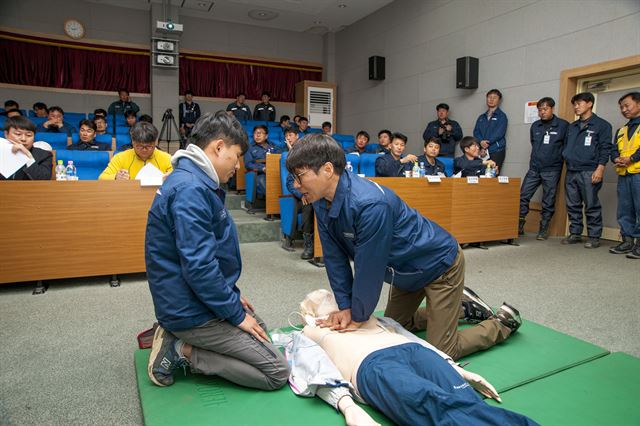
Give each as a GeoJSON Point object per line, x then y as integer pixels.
{"type": "Point", "coordinates": [317, 305]}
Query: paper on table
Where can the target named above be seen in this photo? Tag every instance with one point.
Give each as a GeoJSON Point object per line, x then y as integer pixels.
{"type": "Point", "coordinates": [10, 162]}
{"type": "Point", "coordinates": [149, 175]}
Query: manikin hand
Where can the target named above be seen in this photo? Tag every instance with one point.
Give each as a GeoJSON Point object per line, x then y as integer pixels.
{"type": "Point", "coordinates": [354, 415]}
{"type": "Point", "coordinates": [480, 384]}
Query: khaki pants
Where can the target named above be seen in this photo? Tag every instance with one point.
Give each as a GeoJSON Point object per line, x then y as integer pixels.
{"type": "Point", "coordinates": [443, 310]}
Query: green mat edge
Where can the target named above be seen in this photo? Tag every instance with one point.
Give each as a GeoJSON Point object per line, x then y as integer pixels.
{"type": "Point", "coordinates": [138, 384]}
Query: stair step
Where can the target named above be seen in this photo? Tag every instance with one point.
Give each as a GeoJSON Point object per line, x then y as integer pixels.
{"type": "Point", "coordinates": [234, 201]}
{"type": "Point", "coordinates": [252, 228]}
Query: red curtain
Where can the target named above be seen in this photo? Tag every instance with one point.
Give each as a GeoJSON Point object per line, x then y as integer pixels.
{"type": "Point", "coordinates": [50, 63]}
{"type": "Point", "coordinates": [221, 79]}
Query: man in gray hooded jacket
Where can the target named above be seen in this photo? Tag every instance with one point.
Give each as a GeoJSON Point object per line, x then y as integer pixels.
{"type": "Point", "coordinates": [193, 263]}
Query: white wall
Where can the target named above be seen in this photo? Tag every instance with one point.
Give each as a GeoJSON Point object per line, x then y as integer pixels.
{"type": "Point", "coordinates": [523, 45]}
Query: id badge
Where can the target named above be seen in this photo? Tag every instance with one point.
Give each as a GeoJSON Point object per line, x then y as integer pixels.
{"type": "Point", "coordinates": [546, 139]}
{"type": "Point", "coordinates": [587, 141]}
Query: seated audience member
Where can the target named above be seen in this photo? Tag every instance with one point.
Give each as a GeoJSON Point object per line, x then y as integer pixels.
{"type": "Point", "coordinates": [296, 121]}
{"type": "Point", "coordinates": [491, 128]}
{"type": "Point", "coordinates": [146, 118]}
{"type": "Point", "coordinates": [384, 140]}
{"type": "Point", "coordinates": [99, 111]}
{"type": "Point", "coordinates": [432, 166]}
{"type": "Point", "coordinates": [392, 370]}
{"type": "Point", "coordinates": [101, 124]}
{"type": "Point", "coordinates": [303, 126]}
{"type": "Point", "coordinates": [123, 104]}
{"type": "Point", "coordinates": [13, 113]}
{"type": "Point", "coordinates": [56, 123]}
{"type": "Point", "coordinates": [256, 156]}
{"type": "Point", "coordinates": [393, 164]}
{"type": "Point", "coordinates": [20, 131]}
{"type": "Point", "coordinates": [284, 122]}
{"type": "Point", "coordinates": [303, 206]}
{"type": "Point", "coordinates": [130, 118]}
{"type": "Point", "coordinates": [290, 137]}
{"type": "Point", "coordinates": [264, 111]}
{"type": "Point", "coordinates": [239, 108]}
{"type": "Point", "coordinates": [188, 112]}
{"type": "Point", "coordinates": [469, 163]}
{"type": "Point", "coordinates": [448, 131]}
{"type": "Point", "coordinates": [326, 128]}
{"type": "Point", "coordinates": [360, 145]}
{"type": "Point", "coordinates": [87, 140]}
{"type": "Point", "coordinates": [40, 109]}
{"type": "Point", "coordinates": [126, 165]}
{"type": "Point", "coordinates": [10, 105]}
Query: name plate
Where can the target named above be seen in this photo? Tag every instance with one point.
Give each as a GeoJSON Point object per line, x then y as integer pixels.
{"type": "Point", "coordinates": [472, 179]}
{"type": "Point", "coordinates": [503, 179]}
{"type": "Point", "coordinates": [434, 179]}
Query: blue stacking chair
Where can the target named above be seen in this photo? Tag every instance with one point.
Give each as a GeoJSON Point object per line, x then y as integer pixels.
{"type": "Point", "coordinates": [74, 118]}
{"type": "Point", "coordinates": [251, 186]}
{"type": "Point", "coordinates": [38, 120]}
{"type": "Point", "coordinates": [355, 162]}
{"type": "Point", "coordinates": [122, 129]}
{"type": "Point", "coordinates": [3, 118]}
{"type": "Point", "coordinates": [277, 137]}
{"type": "Point", "coordinates": [368, 164]}
{"type": "Point", "coordinates": [372, 148]}
{"type": "Point", "coordinates": [448, 165]}
{"type": "Point", "coordinates": [314, 130]}
{"type": "Point", "coordinates": [120, 120]}
{"type": "Point", "coordinates": [346, 141]}
{"type": "Point", "coordinates": [122, 140]}
{"type": "Point", "coordinates": [58, 141]}
{"type": "Point", "coordinates": [89, 164]}
{"type": "Point", "coordinates": [290, 219]}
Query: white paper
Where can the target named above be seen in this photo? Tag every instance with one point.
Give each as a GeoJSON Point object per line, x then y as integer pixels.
{"type": "Point", "coordinates": [149, 175]}
{"type": "Point", "coordinates": [472, 179]}
{"type": "Point", "coordinates": [458, 175]}
{"type": "Point", "coordinates": [503, 179]}
{"type": "Point", "coordinates": [531, 112]}
{"type": "Point", "coordinates": [10, 162]}
{"type": "Point", "coordinates": [434, 179]}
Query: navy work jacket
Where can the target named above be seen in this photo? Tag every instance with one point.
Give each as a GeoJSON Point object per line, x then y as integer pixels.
{"type": "Point", "coordinates": [492, 130]}
{"type": "Point", "coordinates": [192, 252]}
{"type": "Point", "coordinates": [387, 240]}
{"type": "Point", "coordinates": [582, 154]}
{"type": "Point", "coordinates": [547, 157]}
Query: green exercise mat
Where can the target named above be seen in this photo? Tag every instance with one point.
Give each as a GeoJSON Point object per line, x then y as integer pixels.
{"type": "Point", "coordinates": [534, 352]}
{"type": "Point", "coordinates": [200, 400]}
{"type": "Point", "coordinates": [601, 392]}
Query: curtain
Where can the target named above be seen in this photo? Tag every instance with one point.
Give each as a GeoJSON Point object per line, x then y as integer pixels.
{"type": "Point", "coordinates": [223, 78]}
{"type": "Point", "coordinates": [34, 61]}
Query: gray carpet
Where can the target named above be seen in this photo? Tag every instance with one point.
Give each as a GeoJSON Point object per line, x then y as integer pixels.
{"type": "Point", "coordinates": [67, 356]}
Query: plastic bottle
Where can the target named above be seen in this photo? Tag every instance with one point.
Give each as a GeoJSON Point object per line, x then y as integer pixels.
{"type": "Point", "coordinates": [61, 172]}
{"type": "Point", "coordinates": [415, 172]}
{"type": "Point", "coordinates": [349, 166]}
{"type": "Point", "coordinates": [487, 172]}
{"type": "Point", "coordinates": [423, 171]}
{"type": "Point", "coordinates": [71, 171]}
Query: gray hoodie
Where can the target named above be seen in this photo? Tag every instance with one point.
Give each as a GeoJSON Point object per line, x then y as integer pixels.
{"type": "Point", "coordinates": [197, 155]}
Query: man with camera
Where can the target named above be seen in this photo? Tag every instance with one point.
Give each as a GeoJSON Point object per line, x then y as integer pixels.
{"type": "Point", "coordinates": [448, 131]}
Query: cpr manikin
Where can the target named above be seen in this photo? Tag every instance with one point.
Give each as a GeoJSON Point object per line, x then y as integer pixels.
{"type": "Point", "coordinates": [385, 366]}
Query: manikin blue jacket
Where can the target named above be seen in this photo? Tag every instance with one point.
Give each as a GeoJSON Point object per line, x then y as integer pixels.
{"type": "Point", "coordinates": [388, 241]}
{"type": "Point", "coordinates": [493, 130]}
{"type": "Point", "coordinates": [192, 252]}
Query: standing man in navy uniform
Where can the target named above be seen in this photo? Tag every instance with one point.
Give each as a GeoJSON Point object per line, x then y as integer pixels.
{"type": "Point", "coordinates": [189, 114]}
{"type": "Point", "coordinates": [238, 108]}
{"type": "Point", "coordinates": [547, 137]}
{"type": "Point", "coordinates": [264, 111]}
{"type": "Point", "coordinates": [390, 242]}
{"type": "Point", "coordinates": [448, 131]}
{"type": "Point", "coordinates": [491, 128]}
{"type": "Point", "coordinates": [586, 154]}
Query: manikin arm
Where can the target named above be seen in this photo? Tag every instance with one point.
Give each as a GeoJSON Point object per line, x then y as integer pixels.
{"type": "Point", "coordinates": [479, 383]}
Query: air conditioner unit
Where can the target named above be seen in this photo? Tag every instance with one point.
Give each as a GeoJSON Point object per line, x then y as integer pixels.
{"type": "Point", "coordinates": [316, 100]}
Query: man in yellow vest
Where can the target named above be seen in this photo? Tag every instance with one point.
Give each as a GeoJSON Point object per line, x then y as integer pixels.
{"type": "Point", "coordinates": [127, 164]}
{"type": "Point", "coordinates": [626, 156]}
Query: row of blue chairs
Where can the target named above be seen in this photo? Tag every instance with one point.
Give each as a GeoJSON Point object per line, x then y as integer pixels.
{"type": "Point", "coordinates": [58, 141]}
{"type": "Point", "coordinates": [89, 164]}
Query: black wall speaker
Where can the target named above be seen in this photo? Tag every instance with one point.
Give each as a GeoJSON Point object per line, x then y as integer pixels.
{"type": "Point", "coordinates": [467, 73]}
{"type": "Point", "coordinates": [376, 68]}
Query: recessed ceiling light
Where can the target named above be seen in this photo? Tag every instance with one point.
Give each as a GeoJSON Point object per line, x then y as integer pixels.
{"type": "Point", "coordinates": [342, 5]}
{"type": "Point", "coordinates": [317, 22]}
{"type": "Point", "coordinates": [263, 15]}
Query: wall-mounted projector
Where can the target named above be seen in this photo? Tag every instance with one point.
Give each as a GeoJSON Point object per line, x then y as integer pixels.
{"type": "Point", "coordinates": [169, 27]}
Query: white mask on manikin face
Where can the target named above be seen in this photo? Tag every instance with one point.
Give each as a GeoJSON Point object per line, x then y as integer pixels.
{"type": "Point", "coordinates": [318, 305]}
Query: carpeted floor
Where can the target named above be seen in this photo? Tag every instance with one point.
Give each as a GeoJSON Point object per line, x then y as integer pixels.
{"type": "Point", "coordinates": [67, 356]}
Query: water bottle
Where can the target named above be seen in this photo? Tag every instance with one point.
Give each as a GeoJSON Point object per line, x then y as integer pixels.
{"type": "Point", "coordinates": [71, 171]}
{"type": "Point", "coordinates": [61, 172]}
{"type": "Point", "coordinates": [423, 171]}
{"type": "Point", "coordinates": [415, 172]}
{"type": "Point", "coordinates": [349, 166]}
{"type": "Point", "coordinates": [487, 172]}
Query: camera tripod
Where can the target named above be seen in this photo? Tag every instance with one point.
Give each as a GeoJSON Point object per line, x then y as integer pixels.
{"type": "Point", "coordinates": [168, 126]}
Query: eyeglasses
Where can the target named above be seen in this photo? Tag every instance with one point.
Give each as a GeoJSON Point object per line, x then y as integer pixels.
{"type": "Point", "coordinates": [144, 146]}
{"type": "Point", "coordinates": [296, 176]}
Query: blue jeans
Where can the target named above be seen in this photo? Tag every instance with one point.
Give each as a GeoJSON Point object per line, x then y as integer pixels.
{"type": "Point", "coordinates": [629, 205]}
{"type": "Point", "coordinates": [531, 182]}
{"type": "Point", "coordinates": [413, 385]}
